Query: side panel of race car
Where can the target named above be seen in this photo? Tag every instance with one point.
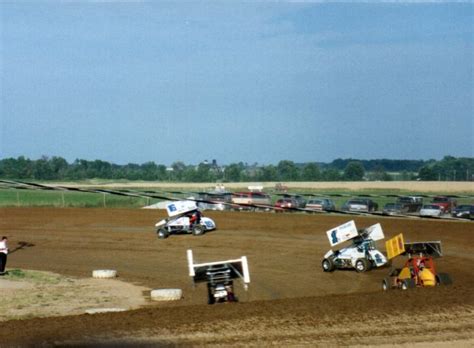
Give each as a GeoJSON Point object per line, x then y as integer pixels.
{"type": "Point", "coordinates": [378, 258]}
{"type": "Point", "coordinates": [182, 221]}
{"type": "Point", "coordinates": [209, 223]}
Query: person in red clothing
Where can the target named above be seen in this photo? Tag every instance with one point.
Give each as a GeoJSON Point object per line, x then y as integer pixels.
{"type": "Point", "coordinates": [195, 218]}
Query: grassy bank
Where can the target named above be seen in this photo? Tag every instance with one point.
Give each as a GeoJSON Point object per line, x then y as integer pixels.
{"type": "Point", "coordinates": [28, 198]}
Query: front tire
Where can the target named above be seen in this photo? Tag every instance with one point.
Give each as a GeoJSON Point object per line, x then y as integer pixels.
{"type": "Point", "coordinates": [408, 284]}
{"type": "Point", "coordinates": [386, 284]}
{"type": "Point", "coordinates": [328, 265]}
{"type": "Point", "coordinates": [163, 233]}
{"type": "Point", "coordinates": [362, 265]}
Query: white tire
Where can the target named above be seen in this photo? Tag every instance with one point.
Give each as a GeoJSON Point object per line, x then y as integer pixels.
{"type": "Point", "coordinates": [166, 294]}
{"type": "Point", "coordinates": [104, 310]}
{"type": "Point", "coordinates": [104, 273]}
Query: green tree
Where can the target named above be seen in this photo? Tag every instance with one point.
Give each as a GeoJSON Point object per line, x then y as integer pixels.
{"type": "Point", "coordinates": [149, 171]}
{"type": "Point", "coordinates": [311, 172]}
{"type": "Point", "coordinates": [426, 173]}
{"type": "Point", "coordinates": [287, 171]}
{"type": "Point", "coordinates": [331, 174]}
{"type": "Point", "coordinates": [379, 174]}
{"type": "Point", "coordinates": [59, 166]}
{"type": "Point", "coordinates": [268, 173]}
{"type": "Point", "coordinates": [354, 171]}
{"type": "Point", "coordinates": [42, 169]}
{"type": "Point", "coordinates": [179, 169]}
{"type": "Point", "coordinates": [233, 172]}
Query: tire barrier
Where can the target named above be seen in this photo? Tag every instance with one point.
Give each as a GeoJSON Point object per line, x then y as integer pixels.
{"type": "Point", "coordinates": [104, 273]}
{"type": "Point", "coordinates": [104, 310]}
{"type": "Point", "coordinates": [166, 294]}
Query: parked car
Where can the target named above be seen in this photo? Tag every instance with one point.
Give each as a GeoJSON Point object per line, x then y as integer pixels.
{"type": "Point", "coordinates": [320, 204]}
{"type": "Point", "coordinates": [392, 209]}
{"type": "Point", "coordinates": [446, 203]}
{"type": "Point", "coordinates": [410, 204]}
{"type": "Point", "coordinates": [360, 205]}
{"type": "Point", "coordinates": [431, 210]}
{"type": "Point", "coordinates": [300, 200]}
{"type": "Point", "coordinates": [285, 203]}
{"type": "Point", "coordinates": [251, 200]}
{"type": "Point", "coordinates": [214, 201]}
{"type": "Point", "coordinates": [464, 211]}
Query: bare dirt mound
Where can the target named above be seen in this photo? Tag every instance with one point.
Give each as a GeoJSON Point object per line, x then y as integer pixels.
{"type": "Point", "coordinates": [290, 300]}
{"type": "Point", "coordinates": [28, 294]}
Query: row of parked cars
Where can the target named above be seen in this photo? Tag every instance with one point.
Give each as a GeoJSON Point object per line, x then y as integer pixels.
{"type": "Point", "coordinates": [439, 206]}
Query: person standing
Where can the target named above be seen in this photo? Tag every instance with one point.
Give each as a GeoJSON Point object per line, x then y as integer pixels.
{"type": "Point", "coordinates": [3, 254]}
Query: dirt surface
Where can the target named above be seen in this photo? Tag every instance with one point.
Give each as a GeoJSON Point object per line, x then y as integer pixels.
{"type": "Point", "coordinates": [46, 294]}
{"type": "Point", "coordinates": [290, 300]}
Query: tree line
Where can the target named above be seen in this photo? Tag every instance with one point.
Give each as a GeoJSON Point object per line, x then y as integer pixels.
{"type": "Point", "coordinates": [57, 168]}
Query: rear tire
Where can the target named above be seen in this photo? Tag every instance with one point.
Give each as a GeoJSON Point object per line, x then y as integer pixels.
{"type": "Point", "coordinates": [210, 297]}
{"type": "Point", "coordinates": [328, 265]}
{"type": "Point", "coordinates": [362, 265]}
{"type": "Point", "coordinates": [198, 230]}
{"type": "Point", "coordinates": [443, 279]}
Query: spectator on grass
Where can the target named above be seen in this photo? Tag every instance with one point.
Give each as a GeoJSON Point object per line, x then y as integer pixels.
{"type": "Point", "coordinates": [3, 255]}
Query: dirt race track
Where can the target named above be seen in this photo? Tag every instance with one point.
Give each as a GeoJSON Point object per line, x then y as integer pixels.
{"type": "Point", "coordinates": [290, 302]}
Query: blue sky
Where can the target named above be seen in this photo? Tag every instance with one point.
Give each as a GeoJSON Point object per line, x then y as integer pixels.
{"type": "Point", "coordinates": [236, 81]}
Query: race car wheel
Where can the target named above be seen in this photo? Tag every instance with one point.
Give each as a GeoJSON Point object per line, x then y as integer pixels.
{"type": "Point", "coordinates": [163, 233]}
{"type": "Point", "coordinates": [198, 230]}
{"type": "Point", "coordinates": [386, 284]}
{"type": "Point", "coordinates": [361, 265]}
{"type": "Point", "coordinates": [328, 265]}
{"type": "Point", "coordinates": [408, 284]}
{"type": "Point", "coordinates": [443, 279]}
{"type": "Point", "coordinates": [210, 296]}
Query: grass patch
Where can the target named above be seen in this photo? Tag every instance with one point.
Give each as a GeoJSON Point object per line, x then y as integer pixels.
{"type": "Point", "coordinates": [33, 276]}
{"type": "Point", "coordinates": [38, 198]}
{"type": "Point", "coordinates": [63, 199]}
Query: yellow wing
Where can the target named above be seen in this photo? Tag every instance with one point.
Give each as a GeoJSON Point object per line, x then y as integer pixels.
{"type": "Point", "coordinates": [395, 246]}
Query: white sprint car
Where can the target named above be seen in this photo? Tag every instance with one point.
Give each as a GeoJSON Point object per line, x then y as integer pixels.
{"type": "Point", "coordinates": [179, 220]}
{"type": "Point", "coordinates": [361, 254]}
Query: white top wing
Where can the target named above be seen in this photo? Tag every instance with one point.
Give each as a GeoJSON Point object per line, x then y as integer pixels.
{"type": "Point", "coordinates": [375, 232]}
{"type": "Point", "coordinates": [180, 207]}
{"type": "Point", "coordinates": [239, 267]}
{"type": "Point", "coordinates": [342, 233]}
